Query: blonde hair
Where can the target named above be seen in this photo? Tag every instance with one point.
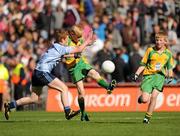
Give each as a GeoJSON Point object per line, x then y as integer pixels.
{"type": "Point", "coordinates": [78, 30]}
{"type": "Point", "coordinates": [161, 34]}
{"type": "Point", "coordinates": [164, 35]}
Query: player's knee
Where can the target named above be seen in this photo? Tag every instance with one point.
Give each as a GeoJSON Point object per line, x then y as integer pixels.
{"type": "Point", "coordinates": [144, 99]}
{"type": "Point", "coordinates": [63, 89]}
{"type": "Point", "coordinates": [153, 98]}
{"type": "Point", "coordinates": [94, 74]}
{"type": "Point", "coordinates": [81, 95]}
{"type": "Point", "coordinates": [34, 98]}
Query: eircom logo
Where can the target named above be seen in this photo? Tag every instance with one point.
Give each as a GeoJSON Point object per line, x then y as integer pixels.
{"type": "Point", "coordinates": [98, 101]}
{"type": "Point", "coordinates": [104, 100]}
{"type": "Point", "coordinates": [122, 99]}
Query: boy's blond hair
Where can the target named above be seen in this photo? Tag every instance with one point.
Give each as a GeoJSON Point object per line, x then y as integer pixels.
{"type": "Point", "coordinates": [161, 34]}
{"type": "Point", "coordinates": [75, 33]}
{"type": "Point", "coordinates": [78, 30]}
{"type": "Point", "coordinates": [164, 35]}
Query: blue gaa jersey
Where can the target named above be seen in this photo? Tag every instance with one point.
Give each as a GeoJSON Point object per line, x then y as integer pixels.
{"type": "Point", "coordinates": [52, 56]}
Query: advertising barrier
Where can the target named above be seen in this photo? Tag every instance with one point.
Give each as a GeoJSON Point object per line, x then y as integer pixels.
{"type": "Point", "coordinates": [123, 98]}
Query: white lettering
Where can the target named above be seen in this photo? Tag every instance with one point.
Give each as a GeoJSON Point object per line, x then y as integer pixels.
{"type": "Point", "coordinates": [103, 100]}
{"type": "Point", "coordinates": [123, 100]}
{"type": "Point", "coordinates": [173, 100]}
{"type": "Point", "coordinates": [110, 100]}
{"type": "Point", "coordinates": [100, 100]}
{"type": "Point", "coordinates": [92, 100]}
{"type": "Point", "coordinates": [178, 100]}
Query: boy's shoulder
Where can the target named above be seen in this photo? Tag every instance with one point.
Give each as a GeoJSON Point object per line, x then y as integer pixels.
{"type": "Point", "coordinates": [150, 47]}
{"type": "Point", "coordinates": [167, 50]}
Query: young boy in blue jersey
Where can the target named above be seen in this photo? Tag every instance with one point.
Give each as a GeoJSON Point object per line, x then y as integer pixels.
{"type": "Point", "coordinates": [42, 74]}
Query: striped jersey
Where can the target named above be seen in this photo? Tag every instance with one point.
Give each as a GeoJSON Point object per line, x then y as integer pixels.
{"type": "Point", "coordinates": [71, 61]}
{"type": "Point", "coordinates": [155, 62]}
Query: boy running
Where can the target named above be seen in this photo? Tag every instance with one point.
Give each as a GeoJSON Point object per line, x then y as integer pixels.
{"type": "Point", "coordinates": [42, 74]}
{"type": "Point", "coordinates": [156, 65]}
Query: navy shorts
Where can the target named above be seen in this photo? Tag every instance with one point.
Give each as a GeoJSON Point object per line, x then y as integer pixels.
{"type": "Point", "coordinates": [40, 78]}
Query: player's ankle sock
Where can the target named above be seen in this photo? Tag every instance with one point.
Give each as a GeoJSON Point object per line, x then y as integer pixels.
{"type": "Point", "coordinates": [12, 104]}
{"type": "Point", "coordinates": [147, 116]}
{"type": "Point", "coordinates": [81, 104]}
{"type": "Point", "coordinates": [67, 110]}
{"type": "Point", "coordinates": [140, 100]}
{"type": "Point", "coordinates": [103, 83]}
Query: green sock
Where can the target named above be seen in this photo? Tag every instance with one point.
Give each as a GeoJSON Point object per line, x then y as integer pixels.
{"type": "Point", "coordinates": [81, 104]}
{"type": "Point", "coordinates": [148, 116]}
{"type": "Point", "coordinates": [103, 83]}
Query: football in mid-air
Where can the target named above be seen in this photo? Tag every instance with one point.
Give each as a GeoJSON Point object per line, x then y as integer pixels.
{"type": "Point", "coordinates": [108, 66]}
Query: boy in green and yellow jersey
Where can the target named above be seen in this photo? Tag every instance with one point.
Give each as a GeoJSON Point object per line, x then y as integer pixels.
{"type": "Point", "coordinates": [79, 69]}
{"type": "Point", "coordinates": [156, 65]}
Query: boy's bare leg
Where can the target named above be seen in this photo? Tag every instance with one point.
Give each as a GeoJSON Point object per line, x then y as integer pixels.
{"type": "Point", "coordinates": [151, 106]}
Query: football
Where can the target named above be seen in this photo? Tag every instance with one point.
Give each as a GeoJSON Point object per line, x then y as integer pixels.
{"type": "Point", "coordinates": [108, 66]}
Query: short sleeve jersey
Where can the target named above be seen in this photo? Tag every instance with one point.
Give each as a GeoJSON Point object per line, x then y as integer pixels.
{"type": "Point", "coordinates": [52, 56]}
{"type": "Point", "coordinates": [71, 60]}
{"type": "Point", "coordinates": [155, 62]}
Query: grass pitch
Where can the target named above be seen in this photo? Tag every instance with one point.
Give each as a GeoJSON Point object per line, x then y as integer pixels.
{"type": "Point", "coordinates": [102, 124]}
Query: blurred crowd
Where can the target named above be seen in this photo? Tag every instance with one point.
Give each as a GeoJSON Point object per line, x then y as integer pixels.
{"type": "Point", "coordinates": [124, 29]}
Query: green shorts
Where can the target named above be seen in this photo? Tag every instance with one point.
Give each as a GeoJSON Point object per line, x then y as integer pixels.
{"type": "Point", "coordinates": [79, 71]}
{"type": "Point", "coordinates": [151, 82]}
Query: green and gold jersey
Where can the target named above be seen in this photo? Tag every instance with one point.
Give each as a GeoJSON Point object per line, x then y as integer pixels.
{"type": "Point", "coordinates": [71, 61]}
{"type": "Point", "coordinates": [155, 62]}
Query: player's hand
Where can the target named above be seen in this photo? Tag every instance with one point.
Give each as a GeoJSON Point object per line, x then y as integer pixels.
{"type": "Point", "coordinates": [134, 77]}
{"type": "Point", "coordinates": [77, 55]}
{"type": "Point", "coordinates": [90, 38]}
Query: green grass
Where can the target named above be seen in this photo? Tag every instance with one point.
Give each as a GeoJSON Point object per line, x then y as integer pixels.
{"type": "Point", "coordinates": [101, 124]}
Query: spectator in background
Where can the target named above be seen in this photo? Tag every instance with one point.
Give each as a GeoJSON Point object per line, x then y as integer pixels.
{"type": "Point", "coordinates": [4, 89]}
{"type": "Point", "coordinates": [177, 68]}
{"type": "Point", "coordinates": [18, 79]}
{"type": "Point", "coordinates": [89, 10]}
{"type": "Point", "coordinates": [123, 7]}
{"type": "Point", "coordinates": [3, 43]}
{"type": "Point", "coordinates": [127, 35]}
{"type": "Point", "coordinates": [72, 16]}
{"type": "Point", "coordinates": [120, 66]}
{"type": "Point", "coordinates": [104, 54]}
{"type": "Point", "coordinates": [58, 16]}
{"type": "Point", "coordinates": [101, 27]}
{"type": "Point", "coordinates": [135, 57]}
{"type": "Point", "coordinates": [161, 10]}
{"type": "Point", "coordinates": [114, 35]}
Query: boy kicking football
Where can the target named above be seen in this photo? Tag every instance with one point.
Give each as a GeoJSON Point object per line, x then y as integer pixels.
{"type": "Point", "coordinates": [79, 69]}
